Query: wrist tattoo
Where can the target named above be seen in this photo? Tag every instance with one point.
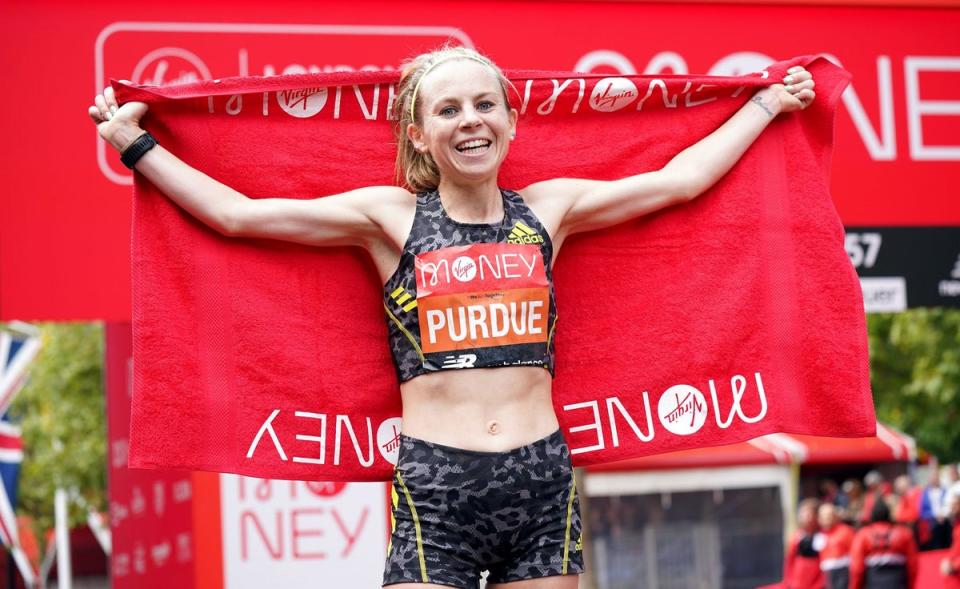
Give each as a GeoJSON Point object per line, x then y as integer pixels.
{"type": "Point", "coordinates": [759, 102]}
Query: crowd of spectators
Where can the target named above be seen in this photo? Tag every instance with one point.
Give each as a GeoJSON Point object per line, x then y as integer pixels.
{"type": "Point", "coordinates": [866, 534]}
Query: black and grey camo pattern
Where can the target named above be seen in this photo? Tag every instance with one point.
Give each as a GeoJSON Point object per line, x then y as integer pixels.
{"type": "Point", "coordinates": [505, 512]}
{"type": "Point", "coordinates": [432, 230]}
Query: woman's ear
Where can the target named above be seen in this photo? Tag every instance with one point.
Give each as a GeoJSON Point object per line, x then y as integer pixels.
{"type": "Point", "coordinates": [415, 135]}
{"type": "Point", "coordinates": [513, 122]}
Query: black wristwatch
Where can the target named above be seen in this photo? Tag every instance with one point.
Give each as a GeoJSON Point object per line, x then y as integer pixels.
{"type": "Point", "coordinates": [132, 154]}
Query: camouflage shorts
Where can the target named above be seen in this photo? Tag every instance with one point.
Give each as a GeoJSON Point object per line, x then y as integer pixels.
{"type": "Point", "coordinates": [458, 512]}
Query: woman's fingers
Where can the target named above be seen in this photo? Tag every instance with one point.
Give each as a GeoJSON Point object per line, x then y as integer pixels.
{"type": "Point", "coordinates": [795, 88]}
{"type": "Point", "coordinates": [801, 75]}
{"type": "Point", "coordinates": [111, 99]}
{"type": "Point", "coordinates": [101, 103]}
{"type": "Point", "coordinates": [94, 113]}
{"type": "Point", "coordinates": [799, 84]}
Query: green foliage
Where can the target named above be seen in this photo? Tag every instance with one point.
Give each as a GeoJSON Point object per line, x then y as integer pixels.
{"type": "Point", "coordinates": [61, 411]}
{"type": "Point", "coordinates": [915, 373]}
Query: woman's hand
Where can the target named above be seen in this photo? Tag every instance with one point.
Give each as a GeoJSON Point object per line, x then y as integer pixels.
{"type": "Point", "coordinates": [117, 125]}
{"type": "Point", "coordinates": [796, 92]}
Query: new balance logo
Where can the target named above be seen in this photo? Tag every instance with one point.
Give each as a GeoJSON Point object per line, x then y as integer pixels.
{"type": "Point", "coordinates": [523, 234]}
{"type": "Point", "coordinates": [403, 298]}
{"type": "Point", "coordinates": [461, 361]}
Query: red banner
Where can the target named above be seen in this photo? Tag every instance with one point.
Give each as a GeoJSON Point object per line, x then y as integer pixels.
{"type": "Point", "coordinates": [151, 512]}
{"type": "Point", "coordinates": [65, 210]}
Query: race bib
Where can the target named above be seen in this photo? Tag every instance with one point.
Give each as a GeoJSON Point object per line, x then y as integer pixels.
{"type": "Point", "coordinates": [482, 295]}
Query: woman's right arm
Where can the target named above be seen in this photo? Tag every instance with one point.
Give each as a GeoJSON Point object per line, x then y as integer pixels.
{"type": "Point", "coordinates": [350, 218]}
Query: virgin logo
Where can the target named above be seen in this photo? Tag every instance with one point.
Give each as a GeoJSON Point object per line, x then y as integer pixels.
{"type": "Point", "coordinates": [682, 410]}
{"type": "Point", "coordinates": [326, 488]}
{"type": "Point", "coordinates": [168, 66]}
{"type": "Point", "coordinates": [302, 103]}
{"type": "Point", "coordinates": [464, 269]}
{"type": "Point", "coordinates": [612, 94]}
{"type": "Point", "coordinates": [388, 439]}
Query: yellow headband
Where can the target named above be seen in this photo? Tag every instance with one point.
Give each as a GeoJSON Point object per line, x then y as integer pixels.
{"type": "Point", "coordinates": [413, 100]}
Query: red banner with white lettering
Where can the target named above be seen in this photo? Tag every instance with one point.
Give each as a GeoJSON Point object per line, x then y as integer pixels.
{"type": "Point", "coordinates": [65, 209]}
{"type": "Point", "coordinates": [730, 317]}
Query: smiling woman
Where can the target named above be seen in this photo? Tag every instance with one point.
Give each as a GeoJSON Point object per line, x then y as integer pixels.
{"type": "Point", "coordinates": [483, 479]}
{"type": "Point", "coordinates": [461, 84]}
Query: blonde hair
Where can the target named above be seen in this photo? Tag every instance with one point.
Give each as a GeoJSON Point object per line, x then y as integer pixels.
{"type": "Point", "coordinates": [414, 168]}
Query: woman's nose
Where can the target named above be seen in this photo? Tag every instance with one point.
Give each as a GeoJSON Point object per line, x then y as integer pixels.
{"type": "Point", "coordinates": [470, 117]}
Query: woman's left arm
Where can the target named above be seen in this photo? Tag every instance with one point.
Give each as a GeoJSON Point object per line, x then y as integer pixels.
{"type": "Point", "coordinates": [584, 205]}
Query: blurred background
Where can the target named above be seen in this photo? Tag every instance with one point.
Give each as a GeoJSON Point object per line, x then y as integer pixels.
{"type": "Point", "coordinates": [718, 517]}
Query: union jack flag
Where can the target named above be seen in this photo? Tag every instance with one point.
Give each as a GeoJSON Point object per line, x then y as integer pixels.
{"type": "Point", "coordinates": [11, 455]}
{"type": "Point", "coordinates": [19, 345]}
{"type": "Point", "coordinates": [18, 348]}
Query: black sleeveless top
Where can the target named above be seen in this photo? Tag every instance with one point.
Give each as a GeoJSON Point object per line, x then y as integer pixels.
{"type": "Point", "coordinates": [471, 295]}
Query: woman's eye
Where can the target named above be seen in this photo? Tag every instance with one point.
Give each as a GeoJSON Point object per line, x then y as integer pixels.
{"type": "Point", "coordinates": [486, 105]}
{"type": "Point", "coordinates": [447, 111]}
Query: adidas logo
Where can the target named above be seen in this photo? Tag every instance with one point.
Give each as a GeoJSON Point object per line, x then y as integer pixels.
{"type": "Point", "coordinates": [523, 234]}
{"type": "Point", "coordinates": [579, 545]}
{"type": "Point", "coordinates": [401, 297]}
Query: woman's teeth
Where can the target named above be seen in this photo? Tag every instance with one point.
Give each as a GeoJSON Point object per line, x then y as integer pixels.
{"type": "Point", "coordinates": [475, 146]}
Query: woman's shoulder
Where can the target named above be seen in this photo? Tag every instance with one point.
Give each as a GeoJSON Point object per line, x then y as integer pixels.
{"type": "Point", "coordinates": [379, 200]}
{"type": "Point", "coordinates": [554, 189]}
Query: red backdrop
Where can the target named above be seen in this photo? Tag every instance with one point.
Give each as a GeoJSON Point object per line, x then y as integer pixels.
{"type": "Point", "coordinates": [65, 212]}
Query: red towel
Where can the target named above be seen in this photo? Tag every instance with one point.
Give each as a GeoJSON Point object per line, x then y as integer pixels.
{"type": "Point", "coordinates": [710, 323]}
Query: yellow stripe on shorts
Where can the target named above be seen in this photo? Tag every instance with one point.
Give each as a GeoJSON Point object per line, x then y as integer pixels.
{"type": "Point", "coordinates": [416, 526]}
{"type": "Point", "coordinates": [566, 540]}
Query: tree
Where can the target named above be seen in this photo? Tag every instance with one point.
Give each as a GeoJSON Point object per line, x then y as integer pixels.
{"type": "Point", "coordinates": [915, 374]}
{"type": "Point", "coordinates": [61, 412]}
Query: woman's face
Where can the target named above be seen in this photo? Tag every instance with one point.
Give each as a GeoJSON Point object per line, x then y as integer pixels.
{"type": "Point", "coordinates": [465, 125]}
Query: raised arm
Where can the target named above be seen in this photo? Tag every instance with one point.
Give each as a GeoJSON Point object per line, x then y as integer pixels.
{"type": "Point", "coordinates": [352, 218]}
{"type": "Point", "coordinates": [573, 205]}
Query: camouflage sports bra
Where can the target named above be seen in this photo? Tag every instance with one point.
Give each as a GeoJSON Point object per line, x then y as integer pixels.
{"type": "Point", "coordinates": [471, 295]}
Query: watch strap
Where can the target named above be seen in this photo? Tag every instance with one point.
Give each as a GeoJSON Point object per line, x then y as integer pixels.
{"type": "Point", "coordinates": [132, 154]}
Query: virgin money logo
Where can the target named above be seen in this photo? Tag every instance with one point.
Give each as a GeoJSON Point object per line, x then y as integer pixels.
{"type": "Point", "coordinates": [464, 269]}
{"type": "Point", "coordinates": [178, 53]}
{"type": "Point", "coordinates": [612, 94]}
{"type": "Point", "coordinates": [302, 103]}
{"type": "Point", "coordinates": [682, 410]}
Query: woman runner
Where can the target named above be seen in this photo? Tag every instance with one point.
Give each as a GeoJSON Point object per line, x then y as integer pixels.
{"type": "Point", "coordinates": [483, 479]}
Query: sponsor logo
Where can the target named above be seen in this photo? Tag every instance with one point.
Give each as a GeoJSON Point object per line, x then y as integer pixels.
{"type": "Point", "coordinates": [325, 488]}
{"type": "Point", "coordinates": [169, 66]}
{"type": "Point", "coordinates": [464, 269]}
{"type": "Point", "coordinates": [483, 266]}
{"type": "Point", "coordinates": [579, 546]}
{"type": "Point", "coordinates": [521, 234]}
{"type": "Point", "coordinates": [388, 439]}
{"type": "Point", "coordinates": [302, 103]}
{"type": "Point", "coordinates": [611, 94]}
{"type": "Point", "coordinates": [682, 410]}
{"type": "Point", "coordinates": [403, 299]}
{"type": "Point", "coordinates": [165, 53]}
{"type": "Point", "coordinates": [461, 361]}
